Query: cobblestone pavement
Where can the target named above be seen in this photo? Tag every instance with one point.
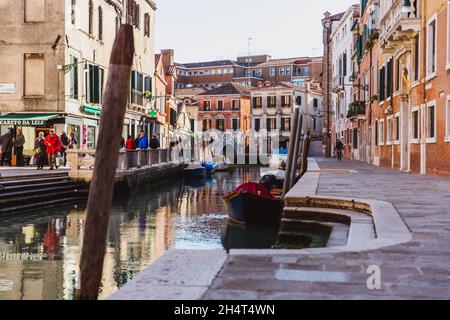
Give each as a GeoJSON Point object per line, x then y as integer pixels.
{"type": "Point", "coordinates": [419, 269]}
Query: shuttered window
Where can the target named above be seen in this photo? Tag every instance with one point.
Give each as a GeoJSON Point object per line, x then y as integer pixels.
{"type": "Point", "coordinates": [34, 74]}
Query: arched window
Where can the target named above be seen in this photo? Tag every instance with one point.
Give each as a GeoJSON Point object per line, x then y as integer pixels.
{"type": "Point", "coordinates": [91, 17]}
{"type": "Point", "coordinates": [100, 23]}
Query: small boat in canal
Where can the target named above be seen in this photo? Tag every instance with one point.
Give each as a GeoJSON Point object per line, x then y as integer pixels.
{"type": "Point", "coordinates": [210, 166]}
{"type": "Point", "coordinates": [254, 204]}
{"type": "Point", "coordinates": [195, 171]}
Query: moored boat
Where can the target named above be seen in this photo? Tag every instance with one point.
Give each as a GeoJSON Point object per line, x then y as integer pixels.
{"type": "Point", "coordinates": [195, 170]}
{"type": "Point", "coordinates": [210, 166]}
{"type": "Point", "coordinates": [253, 204]}
{"type": "Point", "coordinates": [223, 163]}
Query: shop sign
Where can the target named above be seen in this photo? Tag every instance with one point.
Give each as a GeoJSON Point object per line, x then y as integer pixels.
{"type": "Point", "coordinates": [7, 88]}
{"type": "Point", "coordinates": [24, 123]}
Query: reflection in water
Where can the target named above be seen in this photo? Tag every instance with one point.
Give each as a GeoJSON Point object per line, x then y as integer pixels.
{"type": "Point", "coordinates": [39, 252]}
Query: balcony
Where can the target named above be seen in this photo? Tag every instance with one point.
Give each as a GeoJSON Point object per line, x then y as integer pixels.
{"type": "Point", "coordinates": [400, 23]}
{"type": "Point", "coordinates": [356, 109]}
{"type": "Point", "coordinates": [338, 83]}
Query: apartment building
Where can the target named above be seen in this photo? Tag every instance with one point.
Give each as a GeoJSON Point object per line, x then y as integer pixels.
{"type": "Point", "coordinates": [249, 71]}
{"type": "Point", "coordinates": [54, 59]}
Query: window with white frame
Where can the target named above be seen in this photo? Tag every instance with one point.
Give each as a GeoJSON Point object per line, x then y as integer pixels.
{"type": "Point", "coordinates": [390, 130]}
{"type": "Point", "coordinates": [447, 126]}
{"type": "Point", "coordinates": [272, 72]}
{"type": "Point", "coordinates": [432, 47]}
{"type": "Point", "coordinates": [381, 133]}
{"type": "Point", "coordinates": [415, 125]}
{"type": "Point", "coordinates": [397, 128]}
{"type": "Point", "coordinates": [431, 122]}
{"type": "Point", "coordinates": [282, 71]}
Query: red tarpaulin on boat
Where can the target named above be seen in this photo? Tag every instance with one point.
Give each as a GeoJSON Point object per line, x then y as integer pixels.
{"type": "Point", "coordinates": [255, 188]}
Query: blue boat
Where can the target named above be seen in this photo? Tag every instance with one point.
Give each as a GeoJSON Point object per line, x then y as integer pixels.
{"type": "Point", "coordinates": [195, 171]}
{"type": "Point", "coordinates": [210, 166]}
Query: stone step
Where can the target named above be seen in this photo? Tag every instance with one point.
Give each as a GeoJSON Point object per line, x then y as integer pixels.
{"type": "Point", "coordinates": [40, 205]}
{"type": "Point", "coordinates": [57, 183]}
{"type": "Point", "coordinates": [7, 196]}
{"type": "Point", "coordinates": [7, 183]}
{"type": "Point", "coordinates": [36, 176]}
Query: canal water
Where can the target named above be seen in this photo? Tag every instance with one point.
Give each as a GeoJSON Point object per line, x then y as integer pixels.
{"type": "Point", "coordinates": [39, 251]}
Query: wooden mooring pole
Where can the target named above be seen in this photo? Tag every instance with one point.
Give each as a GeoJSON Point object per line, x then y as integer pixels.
{"type": "Point", "coordinates": [297, 150]}
{"type": "Point", "coordinates": [106, 157]}
{"type": "Point", "coordinates": [294, 134]}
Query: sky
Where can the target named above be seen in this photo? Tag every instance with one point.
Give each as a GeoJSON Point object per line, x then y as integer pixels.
{"type": "Point", "coordinates": [204, 30]}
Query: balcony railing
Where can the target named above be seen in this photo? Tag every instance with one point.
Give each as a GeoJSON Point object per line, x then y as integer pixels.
{"type": "Point", "coordinates": [338, 82]}
{"type": "Point", "coordinates": [400, 21]}
{"type": "Point", "coordinates": [355, 109]}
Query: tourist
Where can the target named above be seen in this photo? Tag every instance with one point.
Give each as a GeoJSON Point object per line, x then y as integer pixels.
{"type": "Point", "coordinates": [6, 141]}
{"type": "Point", "coordinates": [40, 150]}
{"type": "Point", "coordinates": [130, 143]}
{"type": "Point", "coordinates": [143, 141]}
{"type": "Point", "coordinates": [65, 142]}
{"type": "Point", "coordinates": [73, 142]}
{"type": "Point", "coordinates": [122, 143]}
{"type": "Point", "coordinates": [19, 141]}
{"type": "Point", "coordinates": [53, 144]}
{"type": "Point", "coordinates": [136, 142]}
{"type": "Point", "coordinates": [339, 149]}
{"type": "Point", "coordinates": [154, 143]}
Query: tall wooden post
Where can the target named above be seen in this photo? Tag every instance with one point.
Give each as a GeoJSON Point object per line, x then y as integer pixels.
{"type": "Point", "coordinates": [106, 157]}
{"type": "Point", "coordinates": [294, 135]}
{"type": "Point", "coordinates": [305, 153]}
{"type": "Point", "coordinates": [296, 153]}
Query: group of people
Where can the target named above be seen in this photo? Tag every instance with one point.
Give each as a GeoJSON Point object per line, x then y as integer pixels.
{"type": "Point", "coordinates": [46, 148]}
{"type": "Point", "coordinates": [141, 142]}
{"type": "Point", "coordinates": [9, 143]}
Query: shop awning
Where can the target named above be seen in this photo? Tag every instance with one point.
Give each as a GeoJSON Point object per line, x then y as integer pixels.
{"type": "Point", "coordinates": [92, 110]}
{"type": "Point", "coordinates": [27, 119]}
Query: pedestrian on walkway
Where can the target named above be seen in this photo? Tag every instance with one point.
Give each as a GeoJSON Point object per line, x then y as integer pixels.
{"type": "Point", "coordinates": [154, 143]}
{"type": "Point", "coordinates": [73, 142]}
{"type": "Point", "coordinates": [143, 141]}
{"type": "Point", "coordinates": [122, 143]}
{"type": "Point", "coordinates": [339, 149]}
{"type": "Point", "coordinates": [136, 142]}
{"type": "Point", "coordinates": [6, 141]}
{"type": "Point", "coordinates": [40, 150]}
{"type": "Point", "coordinates": [19, 141]}
{"type": "Point", "coordinates": [65, 142]}
{"type": "Point", "coordinates": [53, 144]}
{"type": "Point", "coordinates": [130, 143]}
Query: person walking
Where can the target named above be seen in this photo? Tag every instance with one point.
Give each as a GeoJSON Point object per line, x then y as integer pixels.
{"type": "Point", "coordinates": [143, 141]}
{"type": "Point", "coordinates": [40, 150]}
{"type": "Point", "coordinates": [122, 143]}
{"type": "Point", "coordinates": [136, 142]}
{"type": "Point", "coordinates": [6, 141]}
{"type": "Point", "coordinates": [18, 146]}
{"type": "Point", "coordinates": [154, 143]}
{"type": "Point", "coordinates": [339, 149]}
{"type": "Point", "coordinates": [130, 143]}
{"type": "Point", "coordinates": [65, 142]}
{"type": "Point", "coordinates": [73, 142]}
{"type": "Point", "coordinates": [53, 144]}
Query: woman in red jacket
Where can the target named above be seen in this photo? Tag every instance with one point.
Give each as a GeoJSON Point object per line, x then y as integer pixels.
{"type": "Point", "coordinates": [130, 143]}
{"type": "Point", "coordinates": [53, 144]}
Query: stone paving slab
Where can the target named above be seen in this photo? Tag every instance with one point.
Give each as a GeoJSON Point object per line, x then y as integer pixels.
{"type": "Point", "coordinates": [418, 269]}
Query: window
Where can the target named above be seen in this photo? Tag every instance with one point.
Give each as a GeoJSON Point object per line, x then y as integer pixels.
{"type": "Point", "coordinates": [91, 18]}
{"type": "Point", "coordinates": [447, 127]}
{"type": "Point", "coordinates": [282, 71]}
{"type": "Point", "coordinates": [206, 124]}
{"type": "Point", "coordinates": [397, 128]}
{"type": "Point", "coordinates": [390, 130]}
{"type": "Point", "coordinates": [94, 84]}
{"type": "Point", "coordinates": [271, 124]}
{"type": "Point", "coordinates": [298, 100]}
{"type": "Point", "coordinates": [220, 105]}
{"type": "Point", "coordinates": [219, 71]}
{"type": "Point", "coordinates": [257, 124]}
{"type": "Point", "coordinates": [100, 23]}
{"type": "Point", "coordinates": [235, 124]}
{"type": "Point", "coordinates": [137, 88]}
{"type": "Point", "coordinates": [272, 72]}
{"type": "Point", "coordinates": [271, 102]}
{"type": "Point", "coordinates": [376, 133]}
{"type": "Point", "coordinates": [257, 102]}
{"type": "Point", "coordinates": [74, 78]}
{"type": "Point", "coordinates": [34, 10]}
{"type": "Point", "coordinates": [206, 105]}
{"type": "Point", "coordinates": [288, 71]}
{"type": "Point", "coordinates": [286, 124]}
{"type": "Point", "coordinates": [315, 103]}
{"type": "Point", "coordinates": [355, 138]}
{"type": "Point", "coordinates": [220, 124]}
{"type": "Point", "coordinates": [416, 57]}
{"type": "Point", "coordinates": [314, 124]}
{"type": "Point", "coordinates": [90, 137]}
{"type": "Point", "coordinates": [235, 105]}
{"type": "Point", "coordinates": [381, 134]}
{"type": "Point", "coordinates": [73, 13]}
{"type": "Point", "coordinates": [431, 122]}
{"type": "Point", "coordinates": [285, 101]}
{"type": "Point", "coordinates": [415, 125]}
{"type": "Point", "coordinates": [147, 25]}
{"type": "Point", "coordinates": [398, 76]}
{"type": "Point", "coordinates": [34, 74]}
{"type": "Point", "coordinates": [431, 47]}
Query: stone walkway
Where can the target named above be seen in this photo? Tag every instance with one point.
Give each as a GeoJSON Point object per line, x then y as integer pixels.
{"type": "Point", "coordinates": [419, 269]}
{"type": "Point", "coordinates": [25, 171]}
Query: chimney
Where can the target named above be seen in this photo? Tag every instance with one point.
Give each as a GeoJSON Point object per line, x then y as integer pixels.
{"type": "Point", "coordinates": [260, 84]}
{"type": "Point", "coordinates": [167, 56]}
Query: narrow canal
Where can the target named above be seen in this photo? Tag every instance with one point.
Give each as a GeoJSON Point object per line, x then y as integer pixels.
{"type": "Point", "coordinates": [39, 251]}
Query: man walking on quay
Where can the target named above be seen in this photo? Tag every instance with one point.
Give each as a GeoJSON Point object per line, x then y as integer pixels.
{"type": "Point", "coordinates": [65, 142]}
{"type": "Point", "coordinates": [18, 144]}
{"type": "Point", "coordinates": [53, 144]}
{"type": "Point", "coordinates": [154, 143]}
{"type": "Point", "coordinates": [6, 141]}
{"type": "Point", "coordinates": [143, 141]}
{"type": "Point", "coordinates": [339, 150]}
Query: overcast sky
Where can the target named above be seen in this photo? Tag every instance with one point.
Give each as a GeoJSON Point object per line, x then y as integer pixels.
{"type": "Point", "coordinates": [202, 30]}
